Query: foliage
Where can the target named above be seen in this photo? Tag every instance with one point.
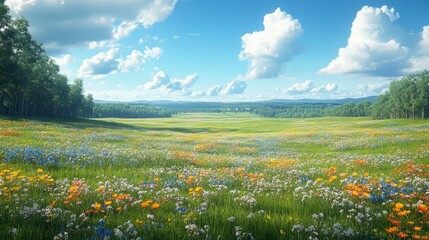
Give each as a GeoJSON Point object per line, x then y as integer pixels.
{"type": "Point", "coordinates": [30, 82]}
{"type": "Point", "coordinates": [103, 110]}
{"type": "Point", "coordinates": [406, 98]}
{"type": "Point", "coordinates": [307, 110]}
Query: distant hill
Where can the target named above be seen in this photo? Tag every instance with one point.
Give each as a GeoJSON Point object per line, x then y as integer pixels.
{"type": "Point", "coordinates": [331, 101]}
{"type": "Point", "coordinates": [314, 101]}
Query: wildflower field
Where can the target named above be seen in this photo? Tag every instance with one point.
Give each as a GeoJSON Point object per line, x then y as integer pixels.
{"type": "Point", "coordinates": [214, 176]}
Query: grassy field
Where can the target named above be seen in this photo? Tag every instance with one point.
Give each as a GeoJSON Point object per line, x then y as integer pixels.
{"type": "Point", "coordinates": [214, 176]}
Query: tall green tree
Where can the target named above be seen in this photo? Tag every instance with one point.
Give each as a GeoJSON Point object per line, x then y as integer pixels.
{"type": "Point", "coordinates": [76, 97]}
{"type": "Point", "coordinates": [8, 68]}
{"type": "Point", "coordinates": [406, 98]}
{"type": "Point", "coordinates": [30, 82]}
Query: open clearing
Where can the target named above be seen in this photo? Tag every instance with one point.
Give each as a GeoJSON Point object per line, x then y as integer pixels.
{"type": "Point", "coordinates": [214, 176]}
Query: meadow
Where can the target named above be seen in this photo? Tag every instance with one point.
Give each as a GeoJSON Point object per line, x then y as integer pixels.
{"type": "Point", "coordinates": [214, 176]}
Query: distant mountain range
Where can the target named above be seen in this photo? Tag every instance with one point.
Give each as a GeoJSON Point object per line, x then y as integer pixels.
{"type": "Point", "coordinates": [327, 101]}
{"type": "Point", "coordinates": [332, 101]}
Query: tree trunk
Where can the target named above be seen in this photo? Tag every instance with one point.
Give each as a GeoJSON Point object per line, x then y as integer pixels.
{"type": "Point", "coordinates": [26, 107]}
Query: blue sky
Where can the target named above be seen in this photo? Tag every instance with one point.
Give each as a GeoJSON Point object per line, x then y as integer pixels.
{"type": "Point", "coordinates": [214, 50]}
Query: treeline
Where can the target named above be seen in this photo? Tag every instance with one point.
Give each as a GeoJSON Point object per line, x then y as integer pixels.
{"type": "Point", "coordinates": [406, 98]}
{"type": "Point", "coordinates": [102, 110]}
{"type": "Point", "coordinates": [206, 107]}
{"type": "Point", "coordinates": [30, 82]}
{"type": "Point", "coordinates": [312, 110]}
{"type": "Point", "coordinates": [276, 109]}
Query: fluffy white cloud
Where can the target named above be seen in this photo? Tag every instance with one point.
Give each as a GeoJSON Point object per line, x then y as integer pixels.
{"type": "Point", "coordinates": [309, 87]}
{"type": "Point", "coordinates": [234, 87]}
{"type": "Point", "coordinates": [159, 79]}
{"type": "Point", "coordinates": [156, 11]}
{"type": "Point", "coordinates": [302, 87]}
{"type": "Point", "coordinates": [181, 84]}
{"type": "Point", "coordinates": [420, 61]}
{"type": "Point", "coordinates": [124, 29]}
{"type": "Point", "coordinates": [424, 43]}
{"type": "Point", "coordinates": [372, 89]}
{"type": "Point", "coordinates": [214, 91]}
{"type": "Point", "coordinates": [269, 49]}
{"type": "Point", "coordinates": [63, 62]}
{"type": "Point", "coordinates": [132, 62]}
{"type": "Point", "coordinates": [101, 64]}
{"type": "Point", "coordinates": [108, 62]}
{"type": "Point", "coordinates": [374, 45]}
{"type": "Point", "coordinates": [330, 87]}
{"type": "Point", "coordinates": [60, 23]}
{"type": "Point", "coordinates": [166, 84]}
{"type": "Point", "coordinates": [154, 52]}
{"type": "Point", "coordinates": [95, 44]}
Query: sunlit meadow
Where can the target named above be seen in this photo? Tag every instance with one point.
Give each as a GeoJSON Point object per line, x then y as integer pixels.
{"type": "Point", "coordinates": [214, 176]}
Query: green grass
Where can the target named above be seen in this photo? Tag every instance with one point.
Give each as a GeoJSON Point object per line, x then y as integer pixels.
{"type": "Point", "coordinates": [330, 178]}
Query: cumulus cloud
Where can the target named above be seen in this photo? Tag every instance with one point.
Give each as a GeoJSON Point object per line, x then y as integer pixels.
{"type": "Point", "coordinates": [214, 91]}
{"type": "Point", "coordinates": [424, 43]}
{"type": "Point", "coordinates": [63, 62]}
{"type": "Point", "coordinates": [166, 84]}
{"type": "Point", "coordinates": [374, 46]}
{"type": "Point", "coordinates": [420, 61]}
{"type": "Point", "coordinates": [330, 87]}
{"type": "Point", "coordinates": [154, 52]}
{"type": "Point", "coordinates": [132, 62]}
{"type": "Point", "coordinates": [302, 87]}
{"type": "Point", "coordinates": [269, 49]}
{"type": "Point", "coordinates": [95, 44]}
{"type": "Point", "coordinates": [159, 79]}
{"type": "Point", "coordinates": [60, 23]}
{"type": "Point", "coordinates": [177, 84]}
{"type": "Point", "coordinates": [309, 87]}
{"type": "Point", "coordinates": [372, 89]}
{"type": "Point", "coordinates": [108, 62]}
{"type": "Point", "coordinates": [234, 87]}
{"type": "Point", "coordinates": [101, 64]}
{"type": "Point", "coordinates": [124, 29]}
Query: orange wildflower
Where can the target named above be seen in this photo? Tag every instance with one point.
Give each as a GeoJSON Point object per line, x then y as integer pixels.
{"type": "Point", "coordinates": [155, 206]}
{"type": "Point", "coordinates": [97, 206]}
{"type": "Point", "coordinates": [404, 213]}
{"type": "Point", "coordinates": [402, 235]}
{"type": "Point", "coordinates": [392, 229]}
{"type": "Point", "coordinates": [146, 203]}
{"type": "Point", "coordinates": [399, 205]}
{"type": "Point", "coordinates": [393, 221]}
{"type": "Point", "coordinates": [417, 228]}
{"type": "Point", "coordinates": [423, 208]}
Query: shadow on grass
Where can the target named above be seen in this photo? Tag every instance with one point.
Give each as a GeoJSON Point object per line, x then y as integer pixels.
{"type": "Point", "coordinates": [91, 123]}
